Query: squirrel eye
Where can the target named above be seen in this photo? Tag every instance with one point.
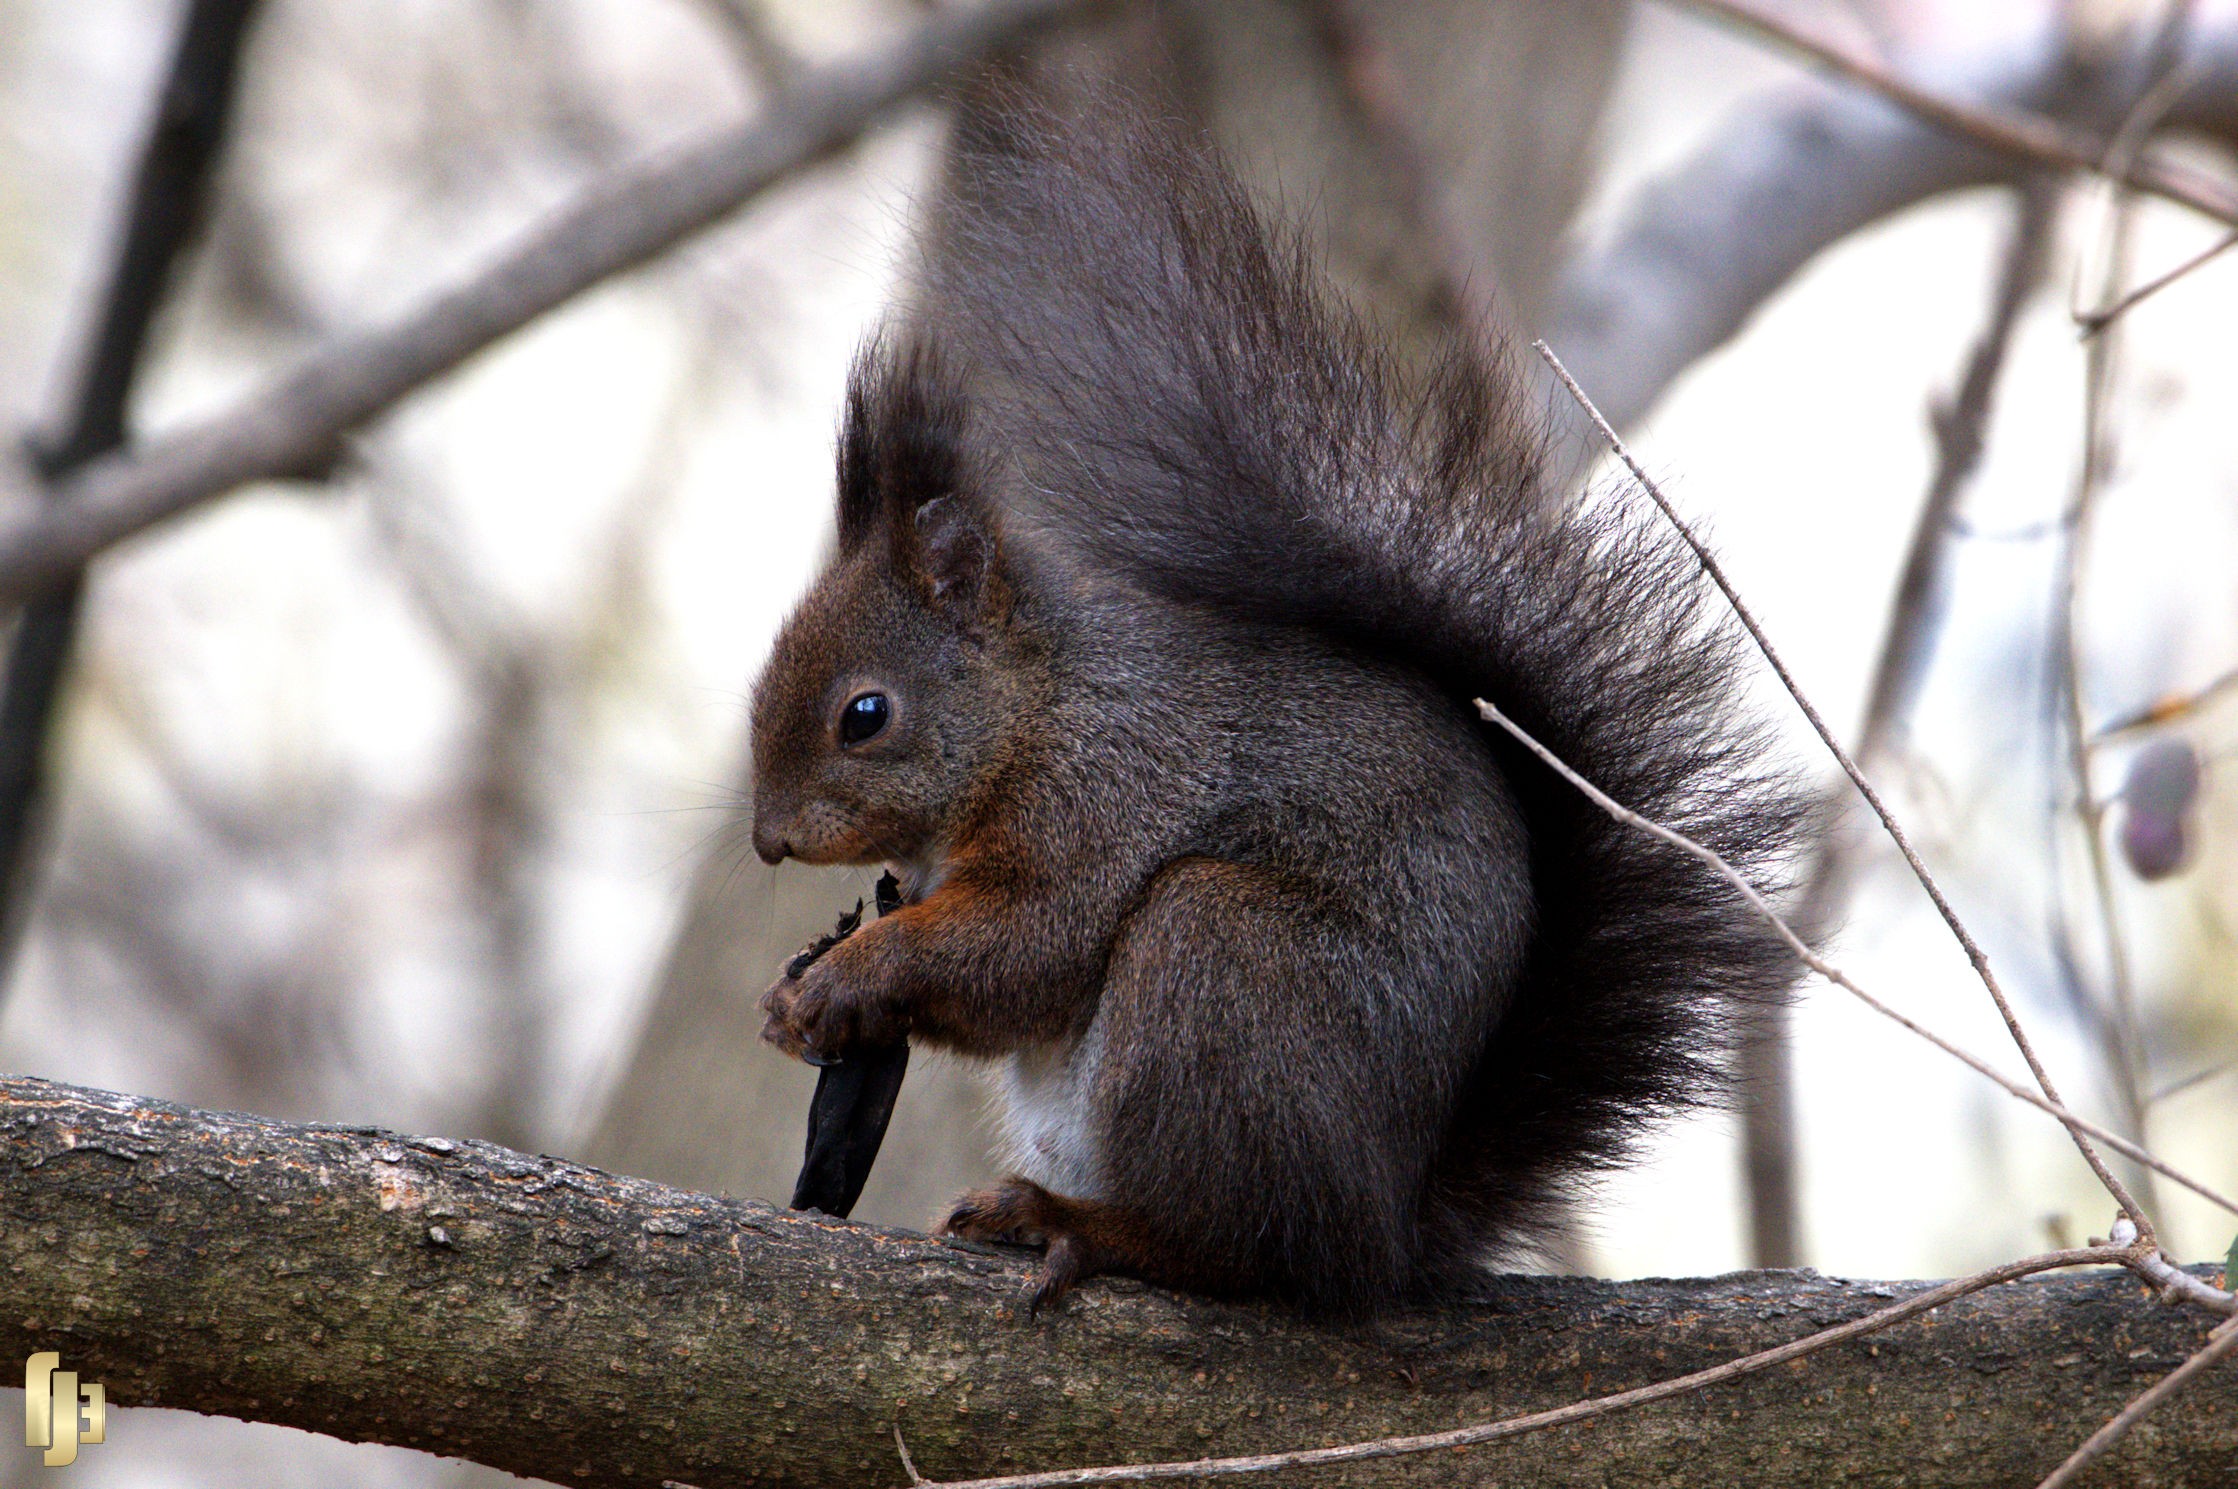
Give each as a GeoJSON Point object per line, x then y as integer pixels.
{"type": "Point", "coordinates": [864, 717]}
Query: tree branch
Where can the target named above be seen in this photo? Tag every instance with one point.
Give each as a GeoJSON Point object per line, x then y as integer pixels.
{"type": "Point", "coordinates": [1908, 638]}
{"type": "Point", "coordinates": [171, 181]}
{"type": "Point", "coordinates": [1698, 249]}
{"type": "Point", "coordinates": [2100, 1443]}
{"type": "Point", "coordinates": [2077, 1125]}
{"type": "Point", "coordinates": [1560, 1416]}
{"type": "Point", "coordinates": [2019, 133]}
{"type": "Point", "coordinates": [557, 1321]}
{"type": "Point", "coordinates": [1965, 938]}
{"type": "Point", "coordinates": [2091, 322]}
{"type": "Point", "coordinates": [293, 423]}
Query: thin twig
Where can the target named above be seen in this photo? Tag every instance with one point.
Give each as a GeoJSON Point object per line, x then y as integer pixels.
{"type": "Point", "coordinates": [2166, 710]}
{"type": "Point", "coordinates": [1834, 974]}
{"type": "Point", "coordinates": [2010, 131]}
{"type": "Point", "coordinates": [2221, 1340]}
{"type": "Point", "coordinates": [2125, 1054]}
{"type": "Point", "coordinates": [2196, 1078]}
{"type": "Point", "coordinates": [294, 421]}
{"type": "Point", "coordinates": [2134, 133]}
{"type": "Point", "coordinates": [2066, 652]}
{"type": "Point", "coordinates": [2091, 322]}
{"type": "Point", "coordinates": [1907, 647]}
{"type": "Point", "coordinates": [2172, 1280]}
{"type": "Point", "coordinates": [1973, 950]}
{"type": "Point", "coordinates": [1581, 1411]}
{"type": "Point", "coordinates": [908, 1464]}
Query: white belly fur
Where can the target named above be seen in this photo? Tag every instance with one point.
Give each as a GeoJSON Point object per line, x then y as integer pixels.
{"type": "Point", "coordinates": [1046, 1134]}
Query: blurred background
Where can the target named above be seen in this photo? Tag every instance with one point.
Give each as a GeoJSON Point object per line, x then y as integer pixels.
{"type": "Point", "coordinates": [410, 795]}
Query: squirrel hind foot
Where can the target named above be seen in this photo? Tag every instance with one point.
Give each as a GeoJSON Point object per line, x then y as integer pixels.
{"type": "Point", "coordinates": [1071, 1233]}
{"type": "Point", "coordinates": [1010, 1213]}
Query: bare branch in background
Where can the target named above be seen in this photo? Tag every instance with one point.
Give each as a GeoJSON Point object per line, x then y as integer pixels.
{"type": "Point", "coordinates": [2078, 1125]}
{"type": "Point", "coordinates": [2173, 77]}
{"type": "Point", "coordinates": [293, 423]}
{"type": "Point", "coordinates": [2184, 1083]}
{"type": "Point", "coordinates": [164, 215]}
{"type": "Point", "coordinates": [1697, 250]}
{"type": "Point", "coordinates": [2125, 1056]}
{"type": "Point", "coordinates": [2024, 135]}
{"type": "Point", "coordinates": [1972, 948]}
{"type": "Point", "coordinates": [1374, 96]}
{"type": "Point", "coordinates": [2168, 710]}
{"type": "Point", "coordinates": [2092, 322]}
{"type": "Point", "coordinates": [1907, 644]}
{"type": "Point", "coordinates": [1960, 428]}
{"type": "Point", "coordinates": [1764, 1072]}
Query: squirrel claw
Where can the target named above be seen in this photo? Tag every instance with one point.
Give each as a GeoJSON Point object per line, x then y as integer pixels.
{"type": "Point", "coordinates": [780, 1037]}
{"type": "Point", "coordinates": [822, 1014]}
{"type": "Point", "coordinates": [1065, 1263]}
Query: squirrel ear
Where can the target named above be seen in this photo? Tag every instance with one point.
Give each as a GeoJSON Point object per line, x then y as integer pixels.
{"type": "Point", "coordinates": [956, 554]}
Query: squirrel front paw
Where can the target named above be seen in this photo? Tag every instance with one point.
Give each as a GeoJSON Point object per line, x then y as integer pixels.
{"type": "Point", "coordinates": [821, 1013]}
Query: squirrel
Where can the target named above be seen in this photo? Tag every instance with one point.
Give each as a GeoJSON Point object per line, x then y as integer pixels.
{"type": "Point", "coordinates": [1145, 660]}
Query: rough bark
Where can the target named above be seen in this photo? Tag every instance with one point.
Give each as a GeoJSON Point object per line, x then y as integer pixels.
{"type": "Point", "coordinates": [570, 1324]}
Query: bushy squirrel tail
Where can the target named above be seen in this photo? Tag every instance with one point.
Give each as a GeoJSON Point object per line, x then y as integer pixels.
{"type": "Point", "coordinates": [1189, 407]}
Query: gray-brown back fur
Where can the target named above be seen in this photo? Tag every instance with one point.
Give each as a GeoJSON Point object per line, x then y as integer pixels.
{"type": "Point", "coordinates": [1188, 408]}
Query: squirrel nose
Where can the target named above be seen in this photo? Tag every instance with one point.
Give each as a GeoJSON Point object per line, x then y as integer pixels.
{"type": "Point", "coordinates": [770, 843]}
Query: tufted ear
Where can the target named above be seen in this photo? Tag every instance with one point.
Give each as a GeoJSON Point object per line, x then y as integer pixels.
{"type": "Point", "coordinates": [953, 550]}
{"type": "Point", "coordinates": [902, 443]}
{"type": "Point", "coordinates": [906, 478]}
